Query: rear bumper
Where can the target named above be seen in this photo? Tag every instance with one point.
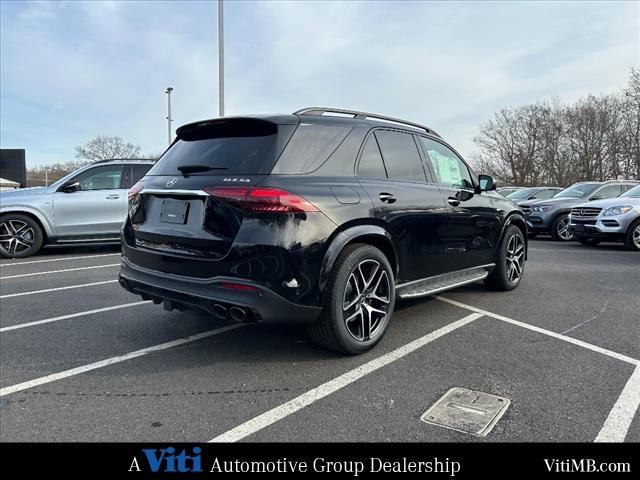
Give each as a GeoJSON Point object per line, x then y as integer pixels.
{"type": "Point", "coordinates": [177, 291]}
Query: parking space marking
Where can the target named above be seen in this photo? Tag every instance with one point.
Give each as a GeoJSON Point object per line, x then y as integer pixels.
{"type": "Point", "coordinates": [56, 289]}
{"type": "Point", "coordinates": [543, 331]}
{"type": "Point", "coordinates": [59, 271]}
{"type": "Point", "coordinates": [10, 264]}
{"type": "Point", "coordinates": [292, 406]}
{"type": "Point", "coordinates": [621, 415]}
{"type": "Point", "coordinates": [71, 315]}
{"type": "Point", "coordinates": [113, 360]}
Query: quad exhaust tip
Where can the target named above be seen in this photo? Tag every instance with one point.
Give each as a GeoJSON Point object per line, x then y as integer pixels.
{"type": "Point", "coordinates": [238, 314]}
{"type": "Point", "coordinates": [220, 310]}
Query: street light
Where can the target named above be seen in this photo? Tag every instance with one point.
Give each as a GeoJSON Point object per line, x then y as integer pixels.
{"type": "Point", "coordinates": [169, 119]}
{"type": "Point", "coordinates": [220, 59]}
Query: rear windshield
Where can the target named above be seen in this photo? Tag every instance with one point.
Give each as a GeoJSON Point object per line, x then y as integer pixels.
{"type": "Point", "coordinates": [234, 146]}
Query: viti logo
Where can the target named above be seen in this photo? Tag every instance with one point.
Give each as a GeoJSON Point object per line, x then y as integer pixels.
{"type": "Point", "coordinates": [166, 460]}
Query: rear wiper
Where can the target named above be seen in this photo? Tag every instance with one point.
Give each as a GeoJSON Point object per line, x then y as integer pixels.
{"type": "Point", "coordinates": [186, 169]}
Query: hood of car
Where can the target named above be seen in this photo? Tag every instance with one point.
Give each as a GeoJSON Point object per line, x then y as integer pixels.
{"type": "Point", "coordinates": [611, 202]}
{"type": "Point", "coordinates": [23, 192]}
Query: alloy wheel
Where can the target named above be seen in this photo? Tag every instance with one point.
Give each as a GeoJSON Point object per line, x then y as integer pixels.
{"type": "Point", "coordinates": [563, 229]}
{"type": "Point", "coordinates": [366, 299]}
{"type": "Point", "coordinates": [16, 236]}
{"type": "Point", "coordinates": [636, 236]}
{"type": "Point", "coordinates": [515, 257]}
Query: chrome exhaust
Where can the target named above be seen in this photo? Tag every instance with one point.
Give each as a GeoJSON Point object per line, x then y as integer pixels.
{"type": "Point", "coordinates": [220, 310]}
{"type": "Point", "coordinates": [238, 314]}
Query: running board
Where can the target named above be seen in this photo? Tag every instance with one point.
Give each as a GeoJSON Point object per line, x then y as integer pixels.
{"type": "Point", "coordinates": [440, 283]}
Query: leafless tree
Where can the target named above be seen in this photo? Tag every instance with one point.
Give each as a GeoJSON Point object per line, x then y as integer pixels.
{"type": "Point", "coordinates": [104, 147]}
{"type": "Point", "coordinates": [595, 138]}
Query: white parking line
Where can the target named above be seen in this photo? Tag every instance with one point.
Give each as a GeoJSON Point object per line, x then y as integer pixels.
{"type": "Point", "coordinates": [71, 315]}
{"type": "Point", "coordinates": [47, 290]}
{"type": "Point", "coordinates": [10, 264]}
{"type": "Point", "coordinates": [59, 271]}
{"type": "Point", "coordinates": [543, 331]}
{"type": "Point", "coordinates": [617, 424]}
{"type": "Point", "coordinates": [113, 360]}
{"type": "Point", "coordinates": [278, 413]}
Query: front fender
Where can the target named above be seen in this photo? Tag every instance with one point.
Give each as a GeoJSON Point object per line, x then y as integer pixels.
{"type": "Point", "coordinates": [347, 236]}
{"type": "Point", "coordinates": [34, 212]}
{"type": "Point", "coordinates": [515, 218]}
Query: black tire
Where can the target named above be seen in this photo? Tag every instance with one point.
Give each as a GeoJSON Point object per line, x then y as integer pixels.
{"type": "Point", "coordinates": [588, 241]}
{"type": "Point", "coordinates": [501, 278]}
{"type": "Point", "coordinates": [20, 236]}
{"type": "Point", "coordinates": [629, 241]}
{"type": "Point", "coordinates": [331, 330]}
{"type": "Point", "coordinates": [560, 224]}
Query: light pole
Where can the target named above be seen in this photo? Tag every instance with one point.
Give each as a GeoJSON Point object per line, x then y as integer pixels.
{"type": "Point", "coordinates": [220, 59]}
{"type": "Point", "coordinates": [169, 119]}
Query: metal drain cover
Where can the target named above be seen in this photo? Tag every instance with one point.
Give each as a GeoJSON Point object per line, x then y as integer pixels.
{"type": "Point", "coordinates": [467, 411]}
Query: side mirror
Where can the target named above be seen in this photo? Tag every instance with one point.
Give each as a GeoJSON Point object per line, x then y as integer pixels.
{"type": "Point", "coordinates": [70, 186]}
{"type": "Point", "coordinates": [533, 198]}
{"type": "Point", "coordinates": [596, 197]}
{"type": "Point", "coordinates": [486, 183]}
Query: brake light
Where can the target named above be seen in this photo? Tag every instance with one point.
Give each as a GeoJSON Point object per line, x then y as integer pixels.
{"type": "Point", "coordinates": [263, 199]}
{"type": "Point", "coordinates": [238, 286]}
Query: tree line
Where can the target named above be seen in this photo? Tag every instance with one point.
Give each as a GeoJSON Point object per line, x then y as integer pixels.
{"type": "Point", "coordinates": [596, 138]}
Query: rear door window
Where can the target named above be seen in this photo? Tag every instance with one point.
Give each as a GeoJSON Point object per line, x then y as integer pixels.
{"type": "Point", "coordinates": [371, 165]}
{"type": "Point", "coordinates": [608, 191]}
{"type": "Point", "coordinates": [108, 177]}
{"type": "Point", "coordinates": [400, 155]}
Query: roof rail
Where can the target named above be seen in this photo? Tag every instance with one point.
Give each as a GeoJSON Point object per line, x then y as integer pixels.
{"type": "Point", "coordinates": [362, 115]}
{"type": "Point", "coordinates": [125, 160]}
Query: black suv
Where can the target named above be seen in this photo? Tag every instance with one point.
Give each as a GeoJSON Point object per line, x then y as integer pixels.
{"type": "Point", "coordinates": [323, 217]}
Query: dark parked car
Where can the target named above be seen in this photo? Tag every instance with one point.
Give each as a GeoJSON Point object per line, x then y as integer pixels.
{"type": "Point", "coordinates": [533, 193]}
{"type": "Point", "coordinates": [552, 215]}
{"type": "Point", "coordinates": [317, 219]}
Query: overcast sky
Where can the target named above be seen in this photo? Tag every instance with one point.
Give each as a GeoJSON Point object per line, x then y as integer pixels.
{"type": "Point", "coordinates": [73, 70]}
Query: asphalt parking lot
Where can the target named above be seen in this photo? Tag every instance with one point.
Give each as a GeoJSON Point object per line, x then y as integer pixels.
{"type": "Point", "coordinates": [83, 360]}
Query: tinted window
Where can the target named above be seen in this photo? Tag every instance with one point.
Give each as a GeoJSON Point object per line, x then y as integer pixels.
{"type": "Point", "coordinates": [401, 157]}
{"type": "Point", "coordinates": [100, 178]}
{"type": "Point", "coordinates": [523, 194]}
{"type": "Point", "coordinates": [371, 165]}
{"type": "Point", "coordinates": [608, 191]}
{"type": "Point", "coordinates": [448, 167]}
{"type": "Point", "coordinates": [310, 146]}
{"type": "Point", "coordinates": [634, 192]}
{"type": "Point", "coordinates": [236, 146]}
{"type": "Point", "coordinates": [139, 171]}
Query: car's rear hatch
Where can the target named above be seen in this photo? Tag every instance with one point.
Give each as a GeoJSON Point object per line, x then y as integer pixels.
{"type": "Point", "coordinates": [188, 201]}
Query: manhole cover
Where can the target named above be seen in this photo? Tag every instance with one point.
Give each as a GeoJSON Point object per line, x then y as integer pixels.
{"type": "Point", "coordinates": [467, 411]}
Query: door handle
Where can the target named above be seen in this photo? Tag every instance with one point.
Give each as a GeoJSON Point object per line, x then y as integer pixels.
{"type": "Point", "coordinates": [453, 201]}
{"type": "Point", "coordinates": [387, 197]}
{"type": "Point", "coordinates": [112, 197]}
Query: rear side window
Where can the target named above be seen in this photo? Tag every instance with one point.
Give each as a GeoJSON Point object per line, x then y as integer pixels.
{"type": "Point", "coordinates": [401, 157]}
{"type": "Point", "coordinates": [310, 146]}
{"type": "Point", "coordinates": [229, 146]}
{"type": "Point", "coordinates": [107, 177]}
{"type": "Point", "coordinates": [450, 170]}
{"type": "Point", "coordinates": [371, 165]}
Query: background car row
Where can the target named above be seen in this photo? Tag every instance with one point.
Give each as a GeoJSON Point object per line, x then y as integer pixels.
{"type": "Point", "coordinates": [589, 212]}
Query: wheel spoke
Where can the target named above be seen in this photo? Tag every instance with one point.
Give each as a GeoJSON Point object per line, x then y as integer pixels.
{"type": "Point", "coordinates": [354, 315]}
{"type": "Point", "coordinates": [366, 324]}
